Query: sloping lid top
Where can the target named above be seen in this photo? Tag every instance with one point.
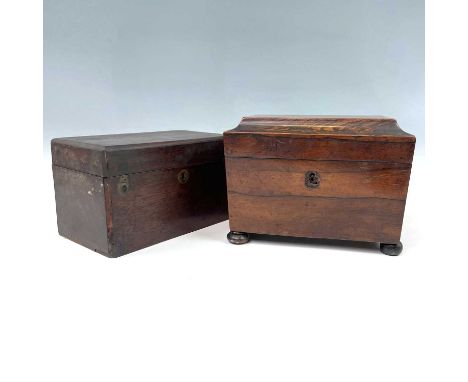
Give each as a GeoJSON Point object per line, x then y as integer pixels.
{"type": "Point", "coordinates": [118, 154]}
{"type": "Point", "coordinates": [359, 128]}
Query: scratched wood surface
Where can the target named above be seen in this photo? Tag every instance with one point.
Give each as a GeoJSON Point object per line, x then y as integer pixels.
{"type": "Point", "coordinates": [81, 208]}
{"type": "Point", "coordinates": [157, 207]}
{"type": "Point", "coordinates": [157, 204]}
{"type": "Point", "coordinates": [118, 154]}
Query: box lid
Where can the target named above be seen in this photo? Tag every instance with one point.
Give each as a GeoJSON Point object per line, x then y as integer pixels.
{"type": "Point", "coordinates": [118, 154]}
{"type": "Point", "coordinates": [320, 138]}
{"type": "Point", "coordinates": [360, 128]}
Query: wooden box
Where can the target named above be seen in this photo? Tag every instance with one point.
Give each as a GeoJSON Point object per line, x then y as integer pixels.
{"type": "Point", "coordinates": [119, 193]}
{"type": "Point", "coordinates": [318, 177]}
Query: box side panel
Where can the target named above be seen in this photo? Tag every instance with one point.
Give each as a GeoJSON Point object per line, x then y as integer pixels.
{"type": "Point", "coordinates": [353, 200]}
{"type": "Point", "coordinates": [162, 204]}
{"type": "Point", "coordinates": [80, 206]}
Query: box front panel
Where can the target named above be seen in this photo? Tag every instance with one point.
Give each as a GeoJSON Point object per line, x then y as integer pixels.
{"type": "Point", "coordinates": [149, 207]}
{"type": "Point", "coordinates": [349, 200]}
{"type": "Point", "coordinates": [314, 148]}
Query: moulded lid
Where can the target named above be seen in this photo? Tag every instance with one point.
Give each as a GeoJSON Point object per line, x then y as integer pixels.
{"type": "Point", "coordinates": [358, 128]}
{"type": "Point", "coordinates": [349, 138]}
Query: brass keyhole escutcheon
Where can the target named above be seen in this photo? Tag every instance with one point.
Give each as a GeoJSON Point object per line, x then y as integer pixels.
{"type": "Point", "coordinates": [183, 176]}
{"type": "Point", "coordinates": [312, 179]}
{"type": "Point", "coordinates": [123, 185]}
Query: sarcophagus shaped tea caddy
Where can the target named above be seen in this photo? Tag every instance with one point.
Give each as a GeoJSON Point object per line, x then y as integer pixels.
{"type": "Point", "coordinates": [318, 177]}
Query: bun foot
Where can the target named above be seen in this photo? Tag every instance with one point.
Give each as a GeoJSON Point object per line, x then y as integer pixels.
{"type": "Point", "coordinates": [391, 249]}
{"type": "Point", "coordinates": [235, 237]}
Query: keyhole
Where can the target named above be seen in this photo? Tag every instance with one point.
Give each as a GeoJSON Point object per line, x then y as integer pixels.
{"type": "Point", "coordinates": [312, 179]}
{"type": "Point", "coordinates": [183, 176]}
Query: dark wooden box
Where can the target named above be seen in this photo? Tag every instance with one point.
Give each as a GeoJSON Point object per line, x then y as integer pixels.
{"type": "Point", "coordinates": [318, 177]}
{"type": "Point", "coordinates": [119, 193]}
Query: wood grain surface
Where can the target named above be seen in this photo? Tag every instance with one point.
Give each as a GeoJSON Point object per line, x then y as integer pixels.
{"type": "Point", "coordinates": [371, 128]}
{"type": "Point", "coordinates": [364, 166]}
{"type": "Point", "coordinates": [361, 219]}
{"type": "Point", "coordinates": [80, 206]}
{"type": "Point", "coordinates": [118, 154]}
{"type": "Point", "coordinates": [261, 146]}
{"type": "Point", "coordinates": [278, 177]}
{"type": "Point", "coordinates": [157, 203]}
{"type": "Point", "coordinates": [157, 207]}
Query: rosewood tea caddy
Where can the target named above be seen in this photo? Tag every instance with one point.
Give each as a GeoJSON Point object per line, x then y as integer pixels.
{"type": "Point", "coordinates": [116, 194]}
{"type": "Point", "coordinates": [327, 177]}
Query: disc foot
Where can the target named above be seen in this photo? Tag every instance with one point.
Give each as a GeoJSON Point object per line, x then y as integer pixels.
{"type": "Point", "coordinates": [391, 249]}
{"type": "Point", "coordinates": [235, 237]}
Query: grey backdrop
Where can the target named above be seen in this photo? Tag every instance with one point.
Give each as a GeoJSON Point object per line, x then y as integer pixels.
{"type": "Point", "coordinates": [114, 66]}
